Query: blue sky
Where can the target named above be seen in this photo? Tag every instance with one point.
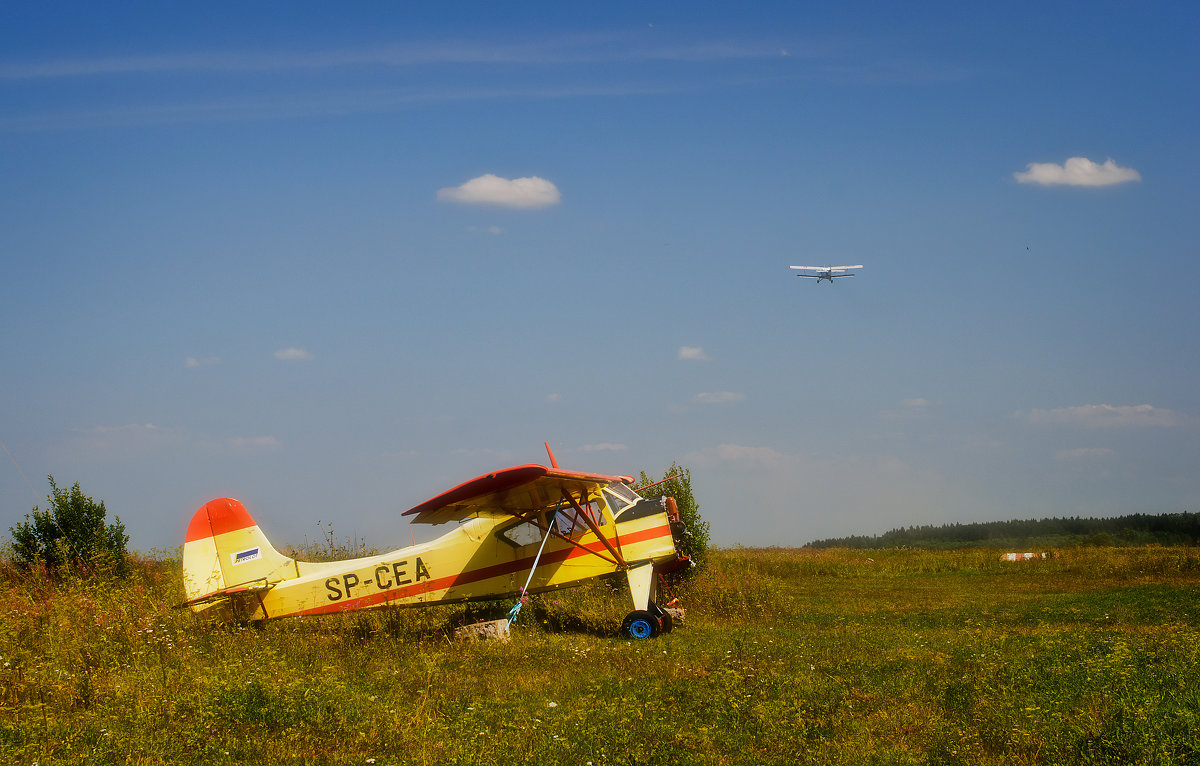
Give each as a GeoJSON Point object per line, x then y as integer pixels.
{"type": "Point", "coordinates": [333, 260]}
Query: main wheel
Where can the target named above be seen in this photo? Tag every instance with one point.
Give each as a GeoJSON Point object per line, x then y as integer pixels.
{"type": "Point", "coordinates": [640, 625]}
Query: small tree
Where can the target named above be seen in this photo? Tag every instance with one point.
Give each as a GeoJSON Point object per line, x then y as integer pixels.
{"type": "Point", "coordinates": [71, 535]}
{"type": "Point", "coordinates": [677, 483]}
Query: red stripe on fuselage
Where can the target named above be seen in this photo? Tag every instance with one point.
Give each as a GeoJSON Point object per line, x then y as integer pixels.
{"type": "Point", "coordinates": [216, 517]}
{"type": "Point", "coordinates": [482, 573]}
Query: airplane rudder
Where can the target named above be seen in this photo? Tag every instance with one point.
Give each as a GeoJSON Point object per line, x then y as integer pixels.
{"type": "Point", "coordinates": [225, 548]}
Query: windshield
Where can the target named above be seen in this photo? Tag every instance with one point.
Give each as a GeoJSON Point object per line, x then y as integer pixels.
{"type": "Point", "coordinates": [619, 497]}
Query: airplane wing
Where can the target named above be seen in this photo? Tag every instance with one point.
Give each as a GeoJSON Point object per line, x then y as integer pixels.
{"type": "Point", "coordinates": [810, 268]}
{"type": "Point", "coordinates": [810, 276]}
{"type": "Point", "coordinates": [843, 268]}
{"type": "Point", "coordinates": [515, 491]}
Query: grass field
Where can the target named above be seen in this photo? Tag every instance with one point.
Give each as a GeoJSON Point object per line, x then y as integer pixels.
{"type": "Point", "coordinates": [788, 656]}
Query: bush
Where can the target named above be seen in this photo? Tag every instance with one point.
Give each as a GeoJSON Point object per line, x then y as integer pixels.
{"type": "Point", "coordinates": [677, 483]}
{"type": "Point", "coordinates": [70, 536]}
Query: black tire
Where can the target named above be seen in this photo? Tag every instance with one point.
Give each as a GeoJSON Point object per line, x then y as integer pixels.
{"type": "Point", "coordinates": [640, 625]}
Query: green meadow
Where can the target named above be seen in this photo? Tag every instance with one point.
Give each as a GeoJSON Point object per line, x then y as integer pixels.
{"type": "Point", "coordinates": [787, 656]}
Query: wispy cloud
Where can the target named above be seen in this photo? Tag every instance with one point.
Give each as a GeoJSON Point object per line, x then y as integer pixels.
{"type": "Point", "coordinates": [693, 353]}
{"type": "Point", "coordinates": [192, 361]}
{"type": "Point", "coordinates": [294, 354]}
{"type": "Point", "coordinates": [740, 453]}
{"type": "Point", "coordinates": [133, 440]}
{"type": "Point", "coordinates": [254, 443]}
{"type": "Point", "coordinates": [719, 397]}
{"type": "Point", "coordinates": [603, 447]}
{"type": "Point", "coordinates": [576, 49]}
{"type": "Point", "coordinates": [593, 65]}
{"type": "Point", "coordinates": [1077, 171]}
{"type": "Point", "coordinates": [136, 430]}
{"type": "Point", "coordinates": [488, 189]}
{"type": "Point", "coordinates": [909, 409]}
{"type": "Point", "coordinates": [1083, 453]}
{"type": "Point", "coordinates": [1103, 416]}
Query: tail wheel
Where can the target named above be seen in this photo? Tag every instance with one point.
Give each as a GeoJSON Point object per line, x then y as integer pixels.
{"type": "Point", "coordinates": [641, 625]}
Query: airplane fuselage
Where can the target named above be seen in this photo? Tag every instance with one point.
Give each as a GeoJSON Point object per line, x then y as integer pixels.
{"type": "Point", "coordinates": [486, 557]}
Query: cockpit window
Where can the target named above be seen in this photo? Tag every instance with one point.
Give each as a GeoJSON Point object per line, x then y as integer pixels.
{"type": "Point", "coordinates": [619, 497]}
{"type": "Point", "coordinates": [570, 521]}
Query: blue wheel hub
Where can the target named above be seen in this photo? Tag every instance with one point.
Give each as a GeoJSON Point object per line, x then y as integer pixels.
{"type": "Point", "coordinates": [641, 628]}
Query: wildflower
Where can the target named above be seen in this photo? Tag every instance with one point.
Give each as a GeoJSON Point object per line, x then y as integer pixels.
{"type": "Point", "coordinates": [553, 704]}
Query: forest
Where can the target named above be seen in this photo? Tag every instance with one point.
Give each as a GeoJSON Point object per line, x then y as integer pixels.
{"type": "Point", "coordinates": [1135, 529]}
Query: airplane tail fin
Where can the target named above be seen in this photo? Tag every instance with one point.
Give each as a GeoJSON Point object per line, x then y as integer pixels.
{"type": "Point", "coordinates": [225, 553]}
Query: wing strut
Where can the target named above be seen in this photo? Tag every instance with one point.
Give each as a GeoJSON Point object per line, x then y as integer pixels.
{"type": "Point", "coordinates": [531, 517]}
{"type": "Point", "coordinates": [591, 524]}
{"type": "Point", "coordinates": [512, 613]}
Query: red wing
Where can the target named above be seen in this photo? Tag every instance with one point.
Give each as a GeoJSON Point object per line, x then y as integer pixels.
{"type": "Point", "coordinates": [515, 491]}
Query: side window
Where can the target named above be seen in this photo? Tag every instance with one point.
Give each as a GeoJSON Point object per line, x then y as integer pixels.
{"type": "Point", "coordinates": [524, 533]}
{"type": "Point", "coordinates": [572, 524]}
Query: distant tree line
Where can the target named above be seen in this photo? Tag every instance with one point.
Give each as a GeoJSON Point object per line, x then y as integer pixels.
{"type": "Point", "coordinates": [1136, 529]}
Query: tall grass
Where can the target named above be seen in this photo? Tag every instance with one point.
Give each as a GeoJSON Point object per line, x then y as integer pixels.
{"type": "Point", "coordinates": [788, 656]}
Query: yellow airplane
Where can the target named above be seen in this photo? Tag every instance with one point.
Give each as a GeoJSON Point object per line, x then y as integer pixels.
{"type": "Point", "coordinates": [526, 529]}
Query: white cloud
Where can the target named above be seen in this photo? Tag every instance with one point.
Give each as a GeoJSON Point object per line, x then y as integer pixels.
{"type": "Point", "coordinates": [1077, 171]}
{"type": "Point", "coordinates": [719, 397]}
{"type": "Point", "coordinates": [294, 354]}
{"type": "Point", "coordinates": [694, 353]}
{"type": "Point", "coordinates": [489, 189]}
{"type": "Point", "coordinates": [1103, 416]}
{"type": "Point", "coordinates": [554, 397]}
{"type": "Point", "coordinates": [1083, 453]}
{"type": "Point", "coordinates": [192, 361]}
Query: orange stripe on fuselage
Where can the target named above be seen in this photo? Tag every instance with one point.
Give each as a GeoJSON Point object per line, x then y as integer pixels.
{"type": "Point", "coordinates": [482, 573]}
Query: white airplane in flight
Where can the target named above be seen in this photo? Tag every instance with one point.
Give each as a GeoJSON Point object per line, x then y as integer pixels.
{"type": "Point", "coordinates": [829, 273]}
